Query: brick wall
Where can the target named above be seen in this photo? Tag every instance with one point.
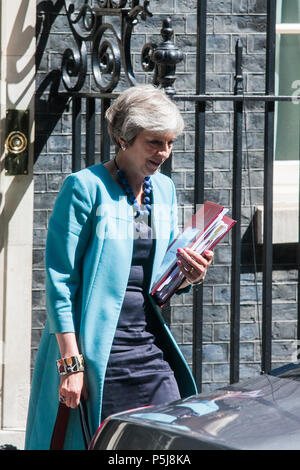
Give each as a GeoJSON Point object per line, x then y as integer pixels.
{"type": "Point", "coordinates": [227, 20]}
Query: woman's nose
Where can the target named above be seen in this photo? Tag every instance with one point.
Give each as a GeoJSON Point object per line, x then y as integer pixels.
{"type": "Point", "coordinates": [165, 150]}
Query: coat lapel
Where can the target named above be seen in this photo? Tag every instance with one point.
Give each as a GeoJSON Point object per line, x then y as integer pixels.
{"type": "Point", "coordinates": [160, 221]}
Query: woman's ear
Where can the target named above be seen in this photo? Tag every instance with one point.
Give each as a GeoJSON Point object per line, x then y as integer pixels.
{"type": "Point", "coordinates": [123, 144]}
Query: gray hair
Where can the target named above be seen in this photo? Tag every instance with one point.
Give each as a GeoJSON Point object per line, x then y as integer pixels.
{"type": "Point", "coordinates": [142, 107]}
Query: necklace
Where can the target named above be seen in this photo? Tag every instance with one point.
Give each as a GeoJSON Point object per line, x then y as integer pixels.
{"type": "Point", "coordinates": [146, 198]}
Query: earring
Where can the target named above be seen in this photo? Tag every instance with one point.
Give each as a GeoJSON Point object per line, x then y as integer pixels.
{"type": "Point", "coordinates": [123, 147]}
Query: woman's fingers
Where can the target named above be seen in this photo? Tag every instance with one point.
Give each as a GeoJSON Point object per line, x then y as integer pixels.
{"type": "Point", "coordinates": [193, 265]}
{"type": "Point", "coordinates": [70, 389]}
{"type": "Point", "coordinates": [205, 260]}
{"type": "Point", "coordinates": [194, 259]}
{"type": "Point", "coordinates": [209, 255]}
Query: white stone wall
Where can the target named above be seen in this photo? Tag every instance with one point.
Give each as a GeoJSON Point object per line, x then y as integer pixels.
{"type": "Point", "coordinates": [17, 86]}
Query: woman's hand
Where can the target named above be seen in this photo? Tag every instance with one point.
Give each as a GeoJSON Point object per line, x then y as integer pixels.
{"type": "Point", "coordinates": [193, 265]}
{"type": "Point", "coordinates": [70, 389]}
{"type": "Point", "coordinates": [71, 385]}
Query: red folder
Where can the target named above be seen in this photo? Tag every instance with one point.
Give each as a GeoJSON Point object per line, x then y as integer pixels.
{"type": "Point", "coordinates": [203, 232]}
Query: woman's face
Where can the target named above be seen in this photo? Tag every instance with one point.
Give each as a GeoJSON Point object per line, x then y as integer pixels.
{"type": "Point", "coordinates": [148, 151]}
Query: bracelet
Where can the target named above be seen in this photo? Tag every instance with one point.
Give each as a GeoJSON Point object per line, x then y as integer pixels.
{"type": "Point", "coordinates": [70, 365]}
{"type": "Point", "coordinates": [196, 283]}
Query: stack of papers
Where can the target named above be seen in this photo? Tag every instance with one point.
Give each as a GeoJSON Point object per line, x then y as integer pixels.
{"type": "Point", "coordinates": [206, 228]}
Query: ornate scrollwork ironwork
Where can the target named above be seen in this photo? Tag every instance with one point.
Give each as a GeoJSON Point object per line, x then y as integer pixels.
{"type": "Point", "coordinates": [111, 46]}
{"type": "Point", "coordinates": [123, 4]}
{"type": "Point", "coordinates": [84, 21]}
{"type": "Point", "coordinates": [106, 59]}
{"type": "Point", "coordinates": [112, 3]}
{"type": "Point", "coordinates": [74, 64]}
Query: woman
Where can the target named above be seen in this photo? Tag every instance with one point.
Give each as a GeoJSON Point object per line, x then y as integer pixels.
{"type": "Point", "coordinates": [108, 233]}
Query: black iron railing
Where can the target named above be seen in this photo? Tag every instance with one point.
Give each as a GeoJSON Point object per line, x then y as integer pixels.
{"type": "Point", "coordinates": [110, 53]}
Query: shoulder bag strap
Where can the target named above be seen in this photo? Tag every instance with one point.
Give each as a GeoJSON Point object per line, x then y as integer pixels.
{"type": "Point", "coordinates": [61, 423]}
{"type": "Point", "coordinates": [60, 428]}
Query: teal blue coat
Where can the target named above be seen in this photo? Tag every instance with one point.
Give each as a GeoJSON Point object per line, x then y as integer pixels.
{"type": "Point", "coordinates": [88, 257]}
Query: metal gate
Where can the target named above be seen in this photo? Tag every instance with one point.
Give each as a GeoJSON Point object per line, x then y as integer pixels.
{"type": "Point", "coordinates": [108, 46]}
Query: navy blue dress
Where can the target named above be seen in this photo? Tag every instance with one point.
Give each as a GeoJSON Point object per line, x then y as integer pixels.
{"type": "Point", "coordinates": [137, 374]}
